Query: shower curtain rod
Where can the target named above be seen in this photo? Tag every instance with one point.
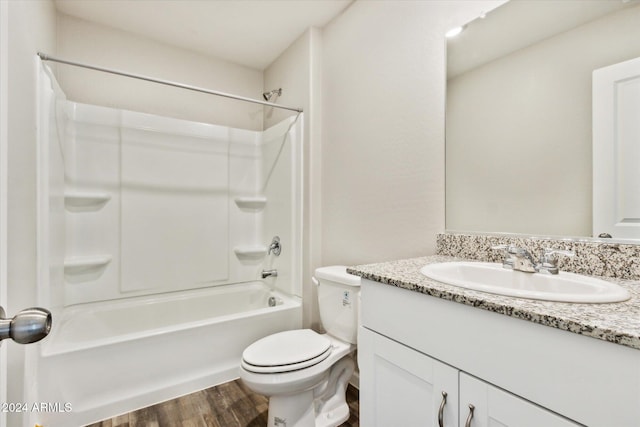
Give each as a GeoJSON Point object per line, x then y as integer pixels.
{"type": "Point", "coordinates": [46, 57]}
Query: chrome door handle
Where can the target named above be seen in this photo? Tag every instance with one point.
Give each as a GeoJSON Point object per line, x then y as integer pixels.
{"type": "Point", "coordinates": [26, 327]}
{"type": "Point", "coordinates": [441, 410]}
{"type": "Point", "coordinates": [470, 417]}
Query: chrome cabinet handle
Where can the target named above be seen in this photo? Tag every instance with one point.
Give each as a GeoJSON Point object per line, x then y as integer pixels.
{"type": "Point", "coordinates": [441, 410]}
{"type": "Point", "coordinates": [470, 417]}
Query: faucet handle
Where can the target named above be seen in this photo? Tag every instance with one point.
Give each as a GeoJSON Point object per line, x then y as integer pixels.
{"type": "Point", "coordinates": [508, 260]}
{"type": "Point", "coordinates": [549, 253]}
{"type": "Point", "coordinates": [549, 260]}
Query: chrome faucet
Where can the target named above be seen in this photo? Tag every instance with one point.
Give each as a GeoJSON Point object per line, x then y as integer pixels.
{"type": "Point", "coordinates": [520, 259]}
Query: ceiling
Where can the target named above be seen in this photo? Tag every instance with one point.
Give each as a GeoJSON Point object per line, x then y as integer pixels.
{"type": "Point", "coordinates": [247, 32]}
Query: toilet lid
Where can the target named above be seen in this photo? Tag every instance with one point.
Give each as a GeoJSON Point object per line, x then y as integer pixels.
{"type": "Point", "coordinates": [286, 351]}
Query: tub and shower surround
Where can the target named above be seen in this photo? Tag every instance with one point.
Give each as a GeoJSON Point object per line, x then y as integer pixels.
{"type": "Point", "coordinates": [155, 204]}
{"type": "Point", "coordinates": [153, 232]}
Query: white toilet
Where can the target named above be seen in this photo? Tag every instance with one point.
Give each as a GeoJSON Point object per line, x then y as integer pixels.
{"type": "Point", "coordinates": [305, 374]}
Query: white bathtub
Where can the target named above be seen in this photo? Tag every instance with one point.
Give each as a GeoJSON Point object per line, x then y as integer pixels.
{"type": "Point", "coordinates": [108, 358]}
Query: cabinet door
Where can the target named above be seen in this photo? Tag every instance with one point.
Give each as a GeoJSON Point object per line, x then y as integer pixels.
{"type": "Point", "coordinates": [497, 408]}
{"type": "Point", "coordinates": [400, 386]}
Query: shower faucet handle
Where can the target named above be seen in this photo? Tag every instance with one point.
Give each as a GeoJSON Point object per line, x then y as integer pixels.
{"type": "Point", "coordinates": [275, 246]}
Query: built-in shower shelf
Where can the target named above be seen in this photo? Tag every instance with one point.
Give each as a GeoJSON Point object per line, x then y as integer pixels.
{"type": "Point", "coordinates": [251, 202]}
{"type": "Point", "coordinates": [250, 252]}
{"type": "Point", "coordinates": [85, 199]}
{"type": "Point", "coordinates": [80, 264]}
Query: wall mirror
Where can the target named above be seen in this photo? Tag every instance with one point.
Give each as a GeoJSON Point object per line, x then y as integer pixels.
{"type": "Point", "coordinates": [519, 113]}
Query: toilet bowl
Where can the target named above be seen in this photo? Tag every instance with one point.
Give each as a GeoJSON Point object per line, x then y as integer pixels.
{"type": "Point", "coordinates": [305, 374]}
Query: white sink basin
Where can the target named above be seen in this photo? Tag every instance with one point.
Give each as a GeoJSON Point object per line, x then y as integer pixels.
{"type": "Point", "coordinates": [493, 278]}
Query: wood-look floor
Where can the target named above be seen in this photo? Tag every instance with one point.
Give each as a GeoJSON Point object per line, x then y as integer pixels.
{"type": "Point", "coordinates": [227, 405]}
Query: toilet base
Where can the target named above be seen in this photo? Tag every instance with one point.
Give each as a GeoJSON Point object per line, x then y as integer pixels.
{"type": "Point", "coordinates": [333, 418]}
{"type": "Point", "coordinates": [323, 406]}
{"type": "Point", "coordinates": [292, 410]}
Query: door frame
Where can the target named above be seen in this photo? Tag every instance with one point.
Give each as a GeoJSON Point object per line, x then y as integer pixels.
{"type": "Point", "coordinates": [4, 56]}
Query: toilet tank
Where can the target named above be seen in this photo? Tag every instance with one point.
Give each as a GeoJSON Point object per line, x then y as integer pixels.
{"type": "Point", "coordinates": [339, 302]}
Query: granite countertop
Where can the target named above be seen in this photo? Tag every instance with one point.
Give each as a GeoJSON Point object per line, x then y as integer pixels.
{"type": "Point", "coordinates": [614, 322]}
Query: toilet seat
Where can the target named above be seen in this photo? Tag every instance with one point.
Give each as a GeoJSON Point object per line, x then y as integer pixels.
{"type": "Point", "coordinates": [286, 351]}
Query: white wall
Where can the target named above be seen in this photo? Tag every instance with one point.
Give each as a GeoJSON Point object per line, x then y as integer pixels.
{"type": "Point", "coordinates": [297, 71]}
{"type": "Point", "coordinates": [32, 27]}
{"type": "Point", "coordinates": [99, 45]}
{"type": "Point", "coordinates": [291, 72]}
{"type": "Point", "coordinates": [383, 93]}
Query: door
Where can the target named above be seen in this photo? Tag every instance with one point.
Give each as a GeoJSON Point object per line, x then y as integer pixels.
{"type": "Point", "coordinates": [400, 386]}
{"type": "Point", "coordinates": [616, 150]}
{"type": "Point", "coordinates": [32, 324]}
{"type": "Point", "coordinates": [493, 407]}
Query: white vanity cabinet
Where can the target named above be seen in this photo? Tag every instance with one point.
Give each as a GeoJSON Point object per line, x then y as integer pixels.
{"type": "Point", "coordinates": [403, 387]}
{"type": "Point", "coordinates": [400, 386]}
{"type": "Point", "coordinates": [515, 372]}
